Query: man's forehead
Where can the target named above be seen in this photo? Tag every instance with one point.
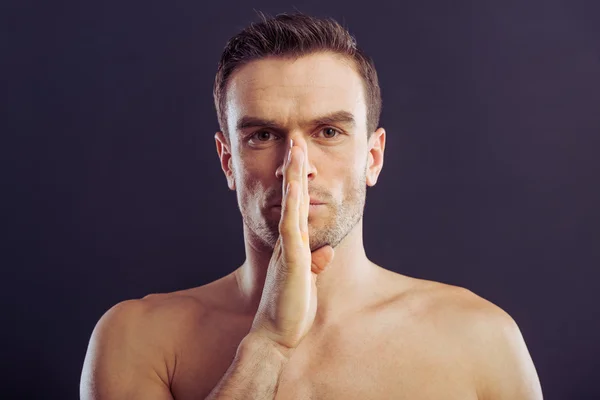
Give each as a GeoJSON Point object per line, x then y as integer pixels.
{"type": "Point", "coordinates": [311, 72]}
{"type": "Point", "coordinates": [302, 89]}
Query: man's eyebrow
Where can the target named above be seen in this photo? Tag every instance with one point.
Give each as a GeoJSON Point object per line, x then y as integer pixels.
{"type": "Point", "coordinates": [336, 117]}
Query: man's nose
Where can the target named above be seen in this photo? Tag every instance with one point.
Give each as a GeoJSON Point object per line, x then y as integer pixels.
{"type": "Point", "coordinates": [295, 141]}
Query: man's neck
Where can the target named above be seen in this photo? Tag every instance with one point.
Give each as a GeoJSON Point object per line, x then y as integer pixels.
{"type": "Point", "coordinates": [339, 288]}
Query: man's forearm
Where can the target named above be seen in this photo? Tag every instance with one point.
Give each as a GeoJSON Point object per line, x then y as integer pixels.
{"type": "Point", "coordinates": [254, 372]}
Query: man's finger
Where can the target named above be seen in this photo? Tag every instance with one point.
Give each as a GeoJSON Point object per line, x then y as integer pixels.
{"type": "Point", "coordinates": [305, 206]}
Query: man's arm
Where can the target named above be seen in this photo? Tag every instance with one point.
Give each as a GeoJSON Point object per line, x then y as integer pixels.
{"type": "Point", "coordinates": [254, 372]}
{"type": "Point", "coordinates": [508, 372]}
{"type": "Point", "coordinates": [120, 363]}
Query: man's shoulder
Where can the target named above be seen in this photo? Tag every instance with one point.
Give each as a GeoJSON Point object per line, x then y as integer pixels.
{"type": "Point", "coordinates": [161, 321]}
{"type": "Point", "coordinates": [157, 314]}
{"type": "Point", "coordinates": [454, 314]}
{"type": "Point", "coordinates": [487, 336]}
{"type": "Point", "coordinates": [154, 318]}
{"type": "Point", "coordinates": [142, 339]}
{"type": "Point", "coordinates": [186, 306]}
{"type": "Point", "coordinates": [453, 304]}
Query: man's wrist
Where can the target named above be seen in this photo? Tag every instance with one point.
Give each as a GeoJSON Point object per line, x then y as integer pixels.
{"type": "Point", "coordinates": [254, 342]}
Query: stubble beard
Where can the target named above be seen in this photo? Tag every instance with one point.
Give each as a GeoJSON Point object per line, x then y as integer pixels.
{"type": "Point", "coordinates": [341, 218]}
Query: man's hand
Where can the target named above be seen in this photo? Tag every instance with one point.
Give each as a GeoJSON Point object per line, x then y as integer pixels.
{"type": "Point", "coordinates": [289, 300]}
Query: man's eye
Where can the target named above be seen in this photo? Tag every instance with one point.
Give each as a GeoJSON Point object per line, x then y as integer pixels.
{"type": "Point", "coordinates": [330, 131]}
{"type": "Point", "coordinates": [260, 135]}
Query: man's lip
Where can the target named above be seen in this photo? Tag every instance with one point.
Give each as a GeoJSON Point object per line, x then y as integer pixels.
{"type": "Point", "coordinates": [277, 203]}
{"type": "Point", "coordinates": [312, 204]}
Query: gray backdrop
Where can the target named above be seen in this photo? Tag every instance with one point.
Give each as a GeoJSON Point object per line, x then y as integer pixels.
{"type": "Point", "coordinates": [112, 187]}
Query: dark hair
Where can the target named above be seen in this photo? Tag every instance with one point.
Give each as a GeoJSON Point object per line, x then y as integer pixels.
{"type": "Point", "coordinates": [292, 36]}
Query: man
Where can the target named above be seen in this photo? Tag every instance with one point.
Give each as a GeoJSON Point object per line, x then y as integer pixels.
{"type": "Point", "coordinates": [307, 315]}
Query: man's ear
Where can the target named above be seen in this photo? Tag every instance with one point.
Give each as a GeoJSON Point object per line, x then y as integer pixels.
{"type": "Point", "coordinates": [224, 152]}
{"type": "Point", "coordinates": [375, 158]}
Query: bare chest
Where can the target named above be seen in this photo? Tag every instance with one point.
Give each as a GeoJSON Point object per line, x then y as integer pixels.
{"type": "Point", "coordinates": [367, 362]}
{"type": "Point", "coordinates": [375, 369]}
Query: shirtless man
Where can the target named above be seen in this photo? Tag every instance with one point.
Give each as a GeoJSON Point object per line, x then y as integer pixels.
{"type": "Point", "coordinates": [307, 315]}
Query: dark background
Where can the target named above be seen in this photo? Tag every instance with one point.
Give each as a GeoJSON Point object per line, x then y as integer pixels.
{"type": "Point", "coordinates": [112, 187]}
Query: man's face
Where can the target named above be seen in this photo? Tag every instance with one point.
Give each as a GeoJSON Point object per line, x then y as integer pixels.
{"type": "Point", "coordinates": [292, 95]}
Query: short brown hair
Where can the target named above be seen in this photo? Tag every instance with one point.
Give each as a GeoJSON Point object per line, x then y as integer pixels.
{"type": "Point", "coordinates": [292, 36]}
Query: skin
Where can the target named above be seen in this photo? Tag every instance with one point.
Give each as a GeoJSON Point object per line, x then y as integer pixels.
{"type": "Point", "coordinates": [376, 334]}
{"type": "Point", "coordinates": [341, 165]}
